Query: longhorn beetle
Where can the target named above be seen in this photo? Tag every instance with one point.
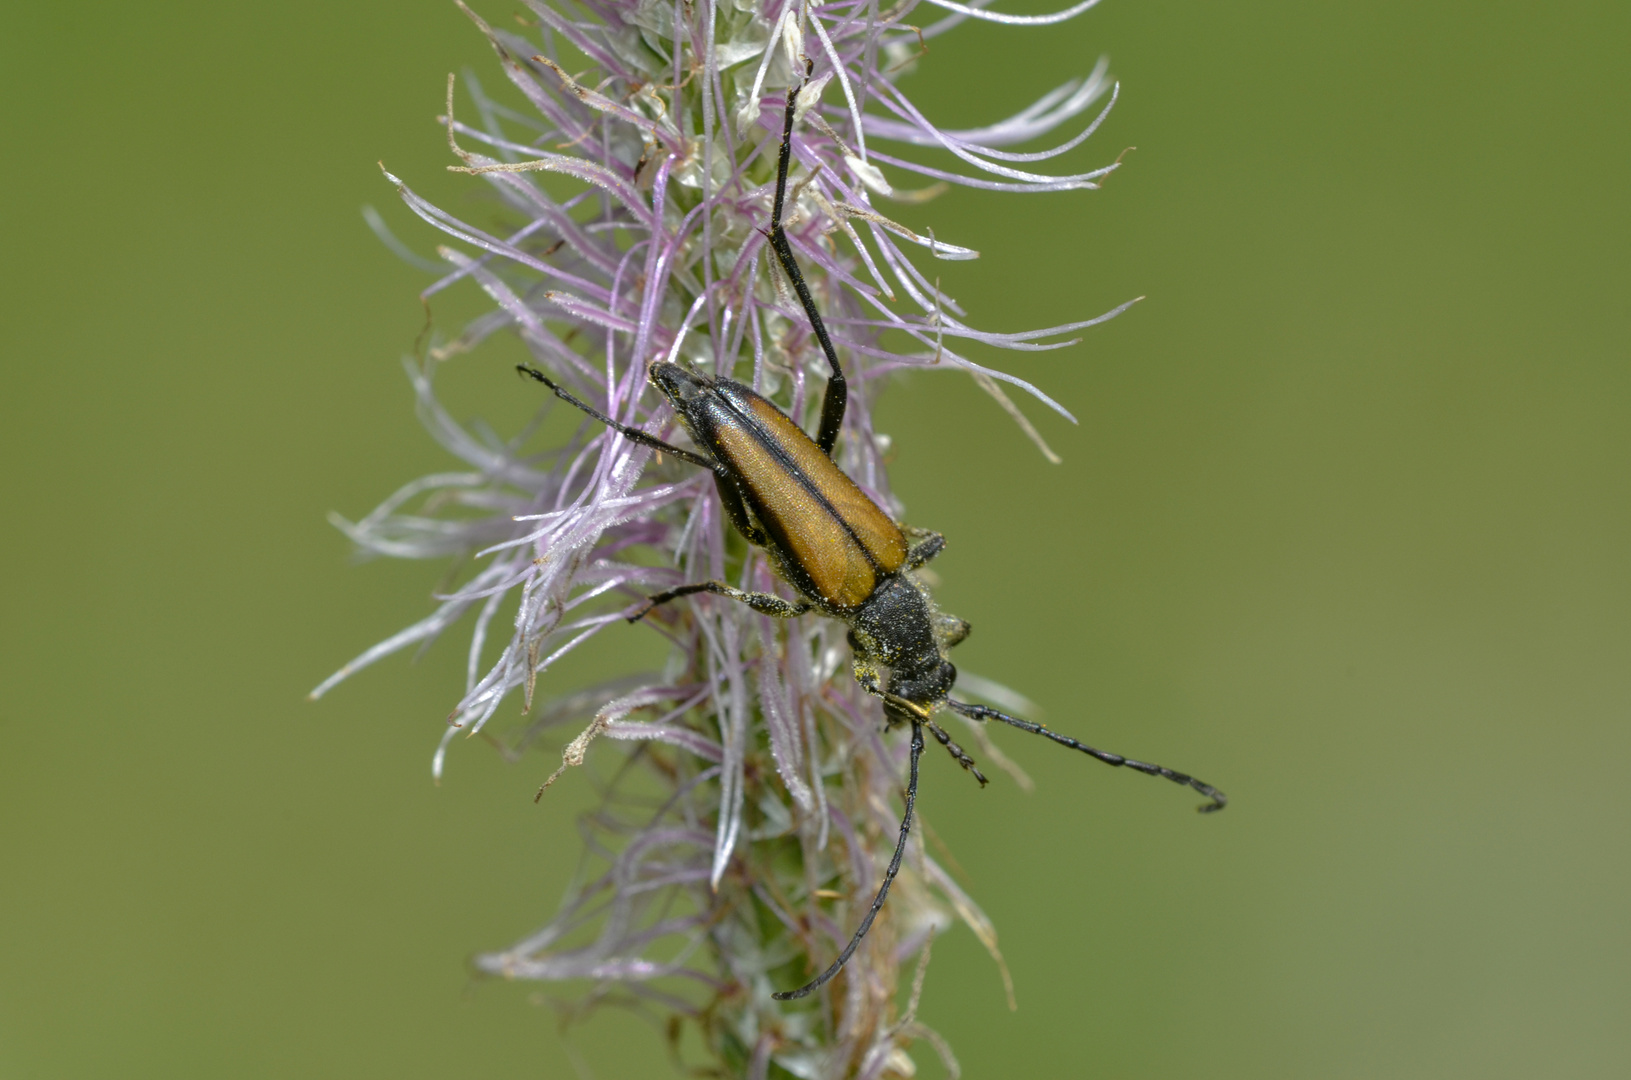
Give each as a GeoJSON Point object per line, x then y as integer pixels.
{"type": "Point", "coordinates": [843, 555]}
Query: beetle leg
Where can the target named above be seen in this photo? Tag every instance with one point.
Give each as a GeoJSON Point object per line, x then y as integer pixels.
{"type": "Point", "coordinates": [952, 629]}
{"type": "Point", "coordinates": [888, 878]}
{"type": "Point", "coordinates": [730, 497]}
{"type": "Point", "coordinates": [633, 434]}
{"type": "Point", "coordinates": [926, 544]}
{"type": "Point", "coordinates": [866, 675]}
{"type": "Point", "coordinates": [763, 603]}
{"type": "Point", "coordinates": [956, 751]}
{"type": "Point", "coordinates": [832, 404]}
{"type": "Point", "coordinates": [985, 712]}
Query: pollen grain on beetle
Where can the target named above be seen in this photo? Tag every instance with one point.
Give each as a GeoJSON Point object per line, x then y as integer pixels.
{"type": "Point", "coordinates": [745, 824]}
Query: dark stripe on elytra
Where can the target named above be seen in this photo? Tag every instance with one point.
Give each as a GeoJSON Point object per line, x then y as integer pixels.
{"type": "Point", "coordinates": [752, 424]}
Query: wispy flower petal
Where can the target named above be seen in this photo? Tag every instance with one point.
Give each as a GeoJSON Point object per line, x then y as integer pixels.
{"type": "Point", "coordinates": [755, 798]}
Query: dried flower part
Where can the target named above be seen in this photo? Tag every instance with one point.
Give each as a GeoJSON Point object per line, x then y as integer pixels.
{"type": "Point", "coordinates": [743, 831]}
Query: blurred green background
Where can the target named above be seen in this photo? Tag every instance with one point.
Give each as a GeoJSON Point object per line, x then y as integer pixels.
{"type": "Point", "coordinates": [1343, 529]}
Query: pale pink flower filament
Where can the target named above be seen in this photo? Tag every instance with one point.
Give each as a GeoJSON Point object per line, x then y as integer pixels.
{"type": "Point", "coordinates": [744, 830]}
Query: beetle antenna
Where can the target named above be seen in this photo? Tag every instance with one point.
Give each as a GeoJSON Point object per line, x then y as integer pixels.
{"type": "Point", "coordinates": [832, 405]}
{"type": "Point", "coordinates": [633, 434]}
{"type": "Point", "coordinates": [888, 878]}
{"type": "Point", "coordinates": [985, 712]}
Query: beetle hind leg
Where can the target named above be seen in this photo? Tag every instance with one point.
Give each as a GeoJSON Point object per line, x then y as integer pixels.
{"type": "Point", "coordinates": [763, 603]}
{"type": "Point", "coordinates": [837, 394]}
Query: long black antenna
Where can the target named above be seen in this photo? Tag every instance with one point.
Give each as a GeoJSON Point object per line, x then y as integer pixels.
{"type": "Point", "coordinates": [633, 434]}
{"type": "Point", "coordinates": [888, 878]}
{"type": "Point", "coordinates": [832, 405]}
{"type": "Point", "coordinates": [984, 712]}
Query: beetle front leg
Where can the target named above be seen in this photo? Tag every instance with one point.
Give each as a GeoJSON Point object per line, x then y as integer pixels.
{"type": "Point", "coordinates": [957, 752]}
{"type": "Point", "coordinates": [951, 629]}
{"type": "Point", "coordinates": [763, 603]}
{"type": "Point", "coordinates": [897, 707]}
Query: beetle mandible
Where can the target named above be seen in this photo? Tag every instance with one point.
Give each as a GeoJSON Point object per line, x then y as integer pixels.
{"type": "Point", "coordinates": [843, 555]}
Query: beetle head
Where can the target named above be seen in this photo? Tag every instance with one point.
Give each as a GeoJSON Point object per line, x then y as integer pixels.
{"type": "Point", "coordinates": [679, 386]}
{"type": "Point", "coordinates": [927, 685]}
